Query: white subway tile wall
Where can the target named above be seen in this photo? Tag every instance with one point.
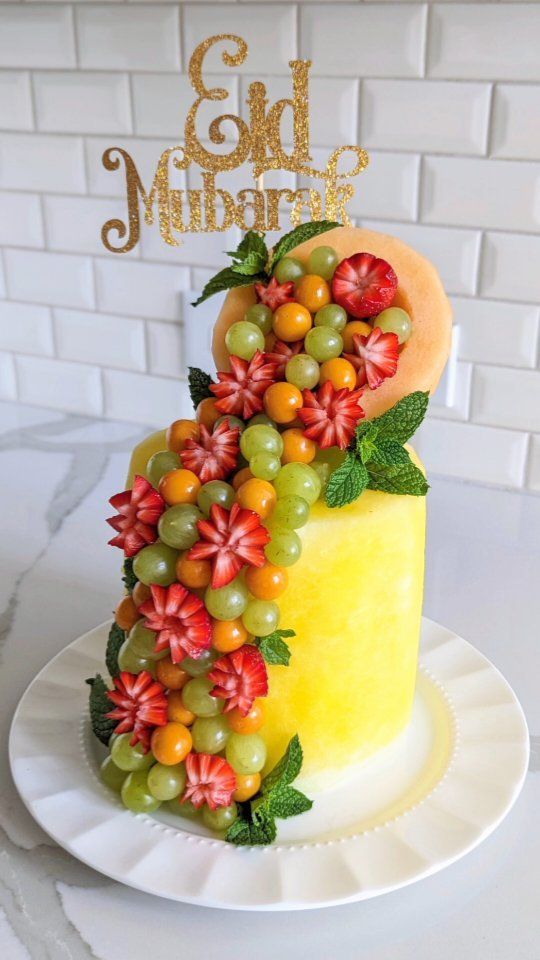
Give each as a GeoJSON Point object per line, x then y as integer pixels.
{"type": "Point", "coordinates": [446, 97]}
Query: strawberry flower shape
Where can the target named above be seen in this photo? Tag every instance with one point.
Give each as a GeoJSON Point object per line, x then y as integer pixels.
{"type": "Point", "coordinates": [230, 539]}
{"type": "Point", "coordinates": [139, 510]}
{"type": "Point", "coordinates": [214, 455]}
{"type": "Point", "coordinates": [240, 677]}
{"type": "Point", "coordinates": [375, 357]}
{"type": "Point", "coordinates": [140, 705]}
{"type": "Point", "coordinates": [240, 392]}
{"type": "Point", "coordinates": [280, 355]}
{"type": "Point", "coordinates": [180, 619]}
{"type": "Point", "coordinates": [274, 294]}
{"type": "Point", "coordinates": [331, 415]}
{"type": "Point", "coordinates": [210, 780]}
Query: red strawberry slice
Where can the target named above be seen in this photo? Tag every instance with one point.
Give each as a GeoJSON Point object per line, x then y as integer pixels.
{"type": "Point", "coordinates": [230, 540]}
{"type": "Point", "coordinates": [214, 455]}
{"type": "Point", "coordinates": [240, 392]}
{"type": "Point", "coordinates": [364, 285]}
{"type": "Point", "coordinates": [280, 355]}
{"type": "Point", "coordinates": [274, 294]}
{"type": "Point", "coordinates": [210, 780]}
{"type": "Point", "coordinates": [240, 677]}
{"type": "Point", "coordinates": [331, 415]}
{"type": "Point", "coordinates": [375, 357]}
{"type": "Point", "coordinates": [140, 705]}
{"type": "Point", "coordinates": [180, 619]}
{"type": "Point", "coordinates": [139, 510]}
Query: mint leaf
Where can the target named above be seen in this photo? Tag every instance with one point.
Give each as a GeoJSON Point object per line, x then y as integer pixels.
{"type": "Point", "coordinates": [347, 482]}
{"type": "Point", "coordinates": [402, 478]}
{"type": "Point", "coordinates": [240, 832]}
{"type": "Point", "coordinates": [256, 827]}
{"type": "Point", "coordinates": [286, 802]}
{"type": "Point", "coordinates": [252, 265]}
{"type": "Point", "coordinates": [226, 279]}
{"type": "Point", "coordinates": [401, 421]}
{"type": "Point", "coordinates": [287, 769]}
{"type": "Point", "coordinates": [304, 232]}
{"type": "Point", "coordinates": [387, 453]}
{"type": "Point", "coordinates": [199, 384]}
{"type": "Point", "coordinates": [273, 648]}
{"type": "Point", "coordinates": [115, 641]}
{"type": "Point", "coordinates": [99, 705]}
{"type": "Point", "coordinates": [251, 243]}
{"type": "Point", "coordinates": [129, 578]}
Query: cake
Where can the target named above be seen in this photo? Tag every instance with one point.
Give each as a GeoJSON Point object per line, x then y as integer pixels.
{"type": "Point", "coordinates": [274, 543]}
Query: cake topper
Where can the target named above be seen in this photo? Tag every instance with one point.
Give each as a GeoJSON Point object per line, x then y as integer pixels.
{"type": "Point", "coordinates": [212, 208]}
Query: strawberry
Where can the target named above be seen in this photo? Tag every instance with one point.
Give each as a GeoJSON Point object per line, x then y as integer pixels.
{"type": "Point", "coordinates": [331, 415]}
{"type": "Point", "coordinates": [214, 455]}
{"type": "Point", "coordinates": [280, 355]}
{"type": "Point", "coordinates": [180, 620]}
{"type": "Point", "coordinates": [275, 293]}
{"type": "Point", "coordinates": [139, 510]}
{"type": "Point", "coordinates": [240, 677]}
{"type": "Point", "coordinates": [375, 357]}
{"type": "Point", "coordinates": [140, 705]}
{"type": "Point", "coordinates": [210, 780]}
{"type": "Point", "coordinates": [241, 391]}
{"type": "Point", "coordinates": [364, 285]}
{"type": "Point", "coordinates": [230, 539]}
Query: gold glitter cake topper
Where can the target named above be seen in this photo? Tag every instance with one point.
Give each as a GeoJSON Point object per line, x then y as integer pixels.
{"type": "Point", "coordinates": [258, 142]}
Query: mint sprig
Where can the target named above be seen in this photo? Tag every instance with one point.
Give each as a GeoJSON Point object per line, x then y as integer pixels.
{"type": "Point", "coordinates": [199, 384]}
{"type": "Point", "coordinates": [99, 705]}
{"type": "Point", "coordinates": [348, 482]}
{"type": "Point", "coordinates": [273, 647]}
{"type": "Point", "coordinates": [114, 642]}
{"type": "Point", "coordinates": [129, 579]}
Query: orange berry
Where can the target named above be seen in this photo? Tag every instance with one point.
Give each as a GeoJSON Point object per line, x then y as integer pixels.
{"type": "Point", "coordinates": [241, 477]}
{"type": "Point", "coordinates": [171, 744]}
{"type": "Point", "coordinates": [171, 674]}
{"type": "Point", "coordinates": [281, 401]}
{"type": "Point", "coordinates": [179, 432]}
{"type": "Point", "coordinates": [291, 322]}
{"type": "Point", "coordinates": [176, 711]}
{"type": "Point", "coordinates": [250, 723]}
{"type": "Point", "coordinates": [141, 593]}
{"type": "Point", "coordinates": [179, 486]}
{"type": "Point", "coordinates": [247, 785]}
{"type": "Point", "coordinates": [268, 582]}
{"type": "Point", "coordinates": [126, 614]}
{"type": "Point", "coordinates": [270, 342]}
{"type": "Point", "coordinates": [313, 292]}
{"type": "Point", "coordinates": [351, 329]}
{"type": "Point", "coordinates": [208, 413]}
{"type": "Point", "coordinates": [340, 372]}
{"type": "Point", "coordinates": [257, 495]}
{"type": "Point", "coordinates": [194, 574]}
{"type": "Point", "coordinates": [296, 447]}
{"type": "Point", "coordinates": [228, 635]}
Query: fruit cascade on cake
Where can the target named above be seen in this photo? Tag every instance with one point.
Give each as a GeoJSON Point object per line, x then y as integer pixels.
{"type": "Point", "coordinates": [274, 544]}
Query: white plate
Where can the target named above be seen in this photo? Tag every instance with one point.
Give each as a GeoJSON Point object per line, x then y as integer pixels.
{"type": "Point", "coordinates": [420, 804]}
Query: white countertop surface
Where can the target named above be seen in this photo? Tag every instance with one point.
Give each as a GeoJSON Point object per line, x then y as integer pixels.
{"type": "Point", "coordinates": [59, 579]}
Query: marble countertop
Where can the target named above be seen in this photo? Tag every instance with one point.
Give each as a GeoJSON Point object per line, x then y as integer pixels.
{"type": "Point", "coordinates": [59, 579]}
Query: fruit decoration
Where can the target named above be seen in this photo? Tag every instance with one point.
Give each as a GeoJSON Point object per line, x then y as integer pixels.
{"type": "Point", "coordinates": [139, 510]}
{"type": "Point", "coordinates": [330, 416]}
{"type": "Point", "coordinates": [364, 285]}
{"type": "Point", "coordinates": [230, 539]}
{"type": "Point", "coordinates": [375, 358]}
{"type": "Point", "coordinates": [210, 780]}
{"type": "Point", "coordinates": [240, 392]}
{"type": "Point", "coordinates": [274, 294]}
{"type": "Point", "coordinates": [213, 456]}
{"type": "Point", "coordinates": [140, 705]}
{"type": "Point", "coordinates": [240, 677]}
{"type": "Point", "coordinates": [180, 620]}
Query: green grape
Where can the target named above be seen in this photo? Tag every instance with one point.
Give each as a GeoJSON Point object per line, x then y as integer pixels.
{"type": "Point", "coordinates": [197, 668]}
{"type": "Point", "coordinates": [261, 418]}
{"type": "Point", "coordinates": [246, 752]}
{"type": "Point", "coordinates": [111, 775]}
{"type": "Point", "coordinates": [323, 343]}
{"type": "Point", "coordinates": [291, 512]}
{"type": "Point", "coordinates": [220, 819]}
{"type": "Point", "coordinates": [160, 464]}
{"type": "Point", "coordinates": [142, 642]}
{"type": "Point", "coordinates": [227, 603]}
{"type": "Point", "coordinates": [183, 809]}
{"type": "Point", "coordinates": [177, 527]}
{"type": "Point", "coordinates": [196, 697]}
{"type": "Point", "coordinates": [261, 617]}
{"type": "Point", "coordinates": [261, 316]}
{"type": "Point", "coordinates": [166, 783]}
{"type": "Point", "coordinates": [265, 466]}
{"type": "Point", "coordinates": [288, 268]}
{"type": "Point", "coordinates": [260, 439]}
{"type": "Point", "coordinates": [233, 422]}
{"type": "Point", "coordinates": [298, 479]}
{"type": "Point", "coordinates": [323, 471]}
{"type": "Point", "coordinates": [332, 315]}
{"type": "Point", "coordinates": [112, 738]}
{"type": "Point", "coordinates": [284, 548]}
{"type": "Point", "coordinates": [210, 734]}
{"type": "Point", "coordinates": [323, 261]}
{"type": "Point", "coordinates": [394, 320]}
{"type": "Point", "coordinates": [156, 563]}
{"type": "Point", "coordinates": [131, 663]}
{"type": "Point", "coordinates": [243, 339]}
{"type": "Point", "coordinates": [136, 795]}
{"type": "Point", "coordinates": [130, 758]}
{"type": "Point", "coordinates": [215, 491]}
{"type": "Point", "coordinates": [303, 371]}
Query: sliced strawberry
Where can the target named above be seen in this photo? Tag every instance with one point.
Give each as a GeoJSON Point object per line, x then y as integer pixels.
{"type": "Point", "coordinates": [331, 415]}
{"type": "Point", "coordinates": [139, 510]}
{"type": "Point", "coordinates": [364, 285]}
{"type": "Point", "coordinates": [375, 357]}
{"type": "Point", "coordinates": [214, 455]}
{"type": "Point", "coordinates": [280, 355]}
{"type": "Point", "coordinates": [140, 705]}
{"type": "Point", "coordinates": [230, 539]}
{"type": "Point", "coordinates": [241, 391]}
{"type": "Point", "coordinates": [180, 620]}
{"type": "Point", "coordinates": [210, 780]}
{"type": "Point", "coordinates": [274, 294]}
{"type": "Point", "coordinates": [240, 677]}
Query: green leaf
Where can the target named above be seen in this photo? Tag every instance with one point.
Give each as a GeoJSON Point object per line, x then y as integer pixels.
{"type": "Point", "coordinates": [253, 264]}
{"type": "Point", "coordinates": [256, 828]}
{"type": "Point", "coordinates": [199, 385]}
{"type": "Point", "coordinates": [251, 243]}
{"type": "Point", "coordinates": [401, 421]}
{"type": "Point", "coordinates": [287, 769]}
{"type": "Point", "coordinates": [239, 833]}
{"type": "Point", "coordinates": [347, 483]}
{"type": "Point", "coordinates": [304, 232]}
{"type": "Point", "coordinates": [273, 648]}
{"type": "Point", "coordinates": [402, 478]}
{"type": "Point", "coordinates": [129, 578]}
{"type": "Point", "coordinates": [226, 279]}
{"type": "Point", "coordinates": [286, 802]}
{"type": "Point", "coordinates": [386, 453]}
{"type": "Point", "coordinates": [99, 705]}
{"type": "Point", "coordinates": [115, 641]}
